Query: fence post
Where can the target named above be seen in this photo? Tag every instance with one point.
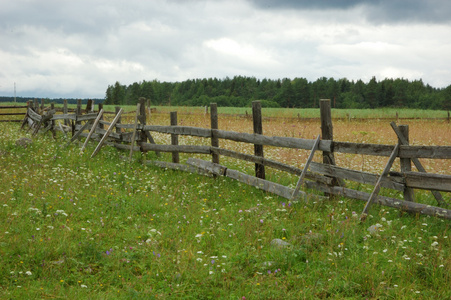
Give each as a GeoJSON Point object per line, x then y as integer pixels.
{"type": "Point", "coordinates": [258, 129]}
{"type": "Point", "coordinates": [42, 104]}
{"type": "Point", "coordinates": [78, 111]}
{"type": "Point", "coordinates": [90, 106]}
{"type": "Point", "coordinates": [102, 126]}
{"type": "Point", "coordinates": [52, 107]}
{"type": "Point", "coordinates": [77, 114]}
{"type": "Point", "coordinates": [448, 117]}
{"type": "Point", "coordinates": [36, 105]}
{"type": "Point", "coordinates": [174, 138]}
{"type": "Point", "coordinates": [66, 122]}
{"type": "Point", "coordinates": [142, 118]}
{"type": "Point", "coordinates": [214, 127]}
{"type": "Point", "coordinates": [406, 164]}
{"type": "Point", "coordinates": [118, 130]}
{"type": "Point", "coordinates": [327, 134]}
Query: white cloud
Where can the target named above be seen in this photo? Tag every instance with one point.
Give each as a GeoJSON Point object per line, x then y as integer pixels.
{"type": "Point", "coordinates": [77, 48]}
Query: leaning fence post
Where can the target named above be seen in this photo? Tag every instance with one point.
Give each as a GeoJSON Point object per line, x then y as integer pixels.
{"type": "Point", "coordinates": [327, 134]}
{"type": "Point", "coordinates": [406, 163]}
{"type": "Point", "coordinates": [174, 138]}
{"type": "Point", "coordinates": [214, 133]}
{"type": "Point", "coordinates": [258, 129]}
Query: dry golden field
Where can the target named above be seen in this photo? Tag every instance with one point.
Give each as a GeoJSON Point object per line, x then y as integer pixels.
{"type": "Point", "coordinates": [422, 132]}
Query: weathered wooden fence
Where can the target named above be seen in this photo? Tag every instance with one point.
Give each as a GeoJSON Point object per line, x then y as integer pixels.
{"type": "Point", "coordinates": [6, 113]}
{"type": "Point", "coordinates": [325, 177]}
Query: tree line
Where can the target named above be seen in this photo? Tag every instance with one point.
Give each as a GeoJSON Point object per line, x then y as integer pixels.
{"type": "Point", "coordinates": [240, 91]}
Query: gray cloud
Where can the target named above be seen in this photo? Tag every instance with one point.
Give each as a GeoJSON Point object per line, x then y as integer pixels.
{"type": "Point", "coordinates": [377, 11]}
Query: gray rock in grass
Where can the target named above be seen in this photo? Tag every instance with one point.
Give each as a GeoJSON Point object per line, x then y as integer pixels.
{"type": "Point", "coordinates": [280, 243]}
{"type": "Point", "coordinates": [23, 142]}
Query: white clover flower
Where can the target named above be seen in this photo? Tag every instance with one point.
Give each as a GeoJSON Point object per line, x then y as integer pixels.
{"type": "Point", "coordinates": [28, 273]}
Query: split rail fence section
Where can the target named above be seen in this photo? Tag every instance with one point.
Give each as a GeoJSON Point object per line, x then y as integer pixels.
{"type": "Point", "coordinates": [326, 177]}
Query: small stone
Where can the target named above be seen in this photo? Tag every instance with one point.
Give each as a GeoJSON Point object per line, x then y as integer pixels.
{"type": "Point", "coordinates": [374, 228]}
{"type": "Point", "coordinates": [23, 142]}
{"type": "Point", "coordinates": [280, 243]}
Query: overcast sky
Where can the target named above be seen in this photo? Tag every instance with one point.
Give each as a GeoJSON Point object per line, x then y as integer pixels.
{"type": "Point", "coordinates": [75, 49]}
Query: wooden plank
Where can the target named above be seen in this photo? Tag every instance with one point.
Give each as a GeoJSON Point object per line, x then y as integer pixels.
{"type": "Point", "coordinates": [304, 171]}
{"type": "Point", "coordinates": [214, 168]}
{"type": "Point", "coordinates": [176, 148]}
{"type": "Point", "coordinates": [286, 142]}
{"type": "Point", "coordinates": [416, 162]}
{"type": "Point", "coordinates": [87, 117]}
{"type": "Point", "coordinates": [411, 207]}
{"type": "Point", "coordinates": [265, 185]}
{"type": "Point", "coordinates": [377, 187]}
{"type": "Point", "coordinates": [34, 115]}
{"type": "Point", "coordinates": [271, 163]}
{"type": "Point", "coordinates": [179, 167]}
{"type": "Point", "coordinates": [105, 136]}
{"type": "Point", "coordinates": [180, 130]}
{"type": "Point", "coordinates": [11, 114]}
{"type": "Point", "coordinates": [93, 129]}
{"type": "Point", "coordinates": [357, 176]}
{"type": "Point", "coordinates": [13, 106]}
{"type": "Point", "coordinates": [138, 106]}
{"type": "Point", "coordinates": [428, 181]}
{"type": "Point", "coordinates": [65, 117]}
{"type": "Point", "coordinates": [439, 152]}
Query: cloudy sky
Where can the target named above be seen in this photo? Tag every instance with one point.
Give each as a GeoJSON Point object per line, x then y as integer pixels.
{"type": "Point", "coordinates": [75, 49]}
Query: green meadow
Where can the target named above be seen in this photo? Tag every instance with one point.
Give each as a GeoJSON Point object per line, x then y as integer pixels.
{"type": "Point", "coordinates": [104, 228]}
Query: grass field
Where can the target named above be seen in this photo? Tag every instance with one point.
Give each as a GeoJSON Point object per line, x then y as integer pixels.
{"type": "Point", "coordinates": [81, 228]}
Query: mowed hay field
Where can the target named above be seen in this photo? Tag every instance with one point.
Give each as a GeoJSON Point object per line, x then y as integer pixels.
{"type": "Point", "coordinates": [103, 228]}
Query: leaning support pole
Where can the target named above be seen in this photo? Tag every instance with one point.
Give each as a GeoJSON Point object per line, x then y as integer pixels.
{"type": "Point", "coordinates": [93, 129]}
{"type": "Point", "coordinates": [107, 133]}
{"type": "Point", "coordinates": [304, 171]}
{"type": "Point", "coordinates": [377, 187]}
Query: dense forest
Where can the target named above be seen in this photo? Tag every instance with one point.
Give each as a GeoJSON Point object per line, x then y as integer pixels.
{"type": "Point", "coordinates": [23, 100]}
{"type": "Point", "coordinates": [240, 91]}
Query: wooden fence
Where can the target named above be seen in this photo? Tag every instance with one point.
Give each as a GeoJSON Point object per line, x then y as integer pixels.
{"type": "Point", "coordinates": [7, 111]}
{"type": "Point", "coordinates": [325, 177]}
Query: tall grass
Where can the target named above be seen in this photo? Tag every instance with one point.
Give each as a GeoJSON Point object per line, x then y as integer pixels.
{"type": "Point", "coordinates": [76, 228]}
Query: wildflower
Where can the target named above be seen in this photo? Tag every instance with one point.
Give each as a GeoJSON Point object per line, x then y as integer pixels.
{"type": "Point", "coordinates": [261, 221]}
{"type": "Point", "coordinates": [28, 273]}
{"type": "Point", "coordinates": [83, 286]}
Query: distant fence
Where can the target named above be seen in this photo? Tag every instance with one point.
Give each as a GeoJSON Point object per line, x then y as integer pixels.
{"type": "Point", "coordinates": [6, 113]}
{"type": "Point", "coordinates": [325, 177]}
